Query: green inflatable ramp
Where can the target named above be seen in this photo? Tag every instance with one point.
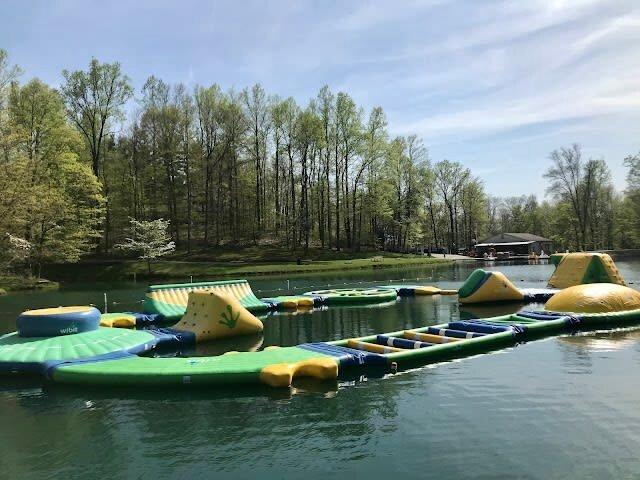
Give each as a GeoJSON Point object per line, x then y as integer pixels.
{"type": "Point", "coordinates": [170, 301]}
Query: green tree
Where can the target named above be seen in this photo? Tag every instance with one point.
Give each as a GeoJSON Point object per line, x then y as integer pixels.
{"type": "Point", "coordinates": [628, 207]}
{"type": "Point", "coordinates": [94, 99]}
{"type": "Point", "coordinates": [53, 201]}
{"type": "Point", "coordinates": [257, 114]}
{"type": "Point", "coordinates": [8, 74]}
{"type": "Point", "coordinates": [586, 187]}
{"type": "Point", "coordinates": [450, 178]}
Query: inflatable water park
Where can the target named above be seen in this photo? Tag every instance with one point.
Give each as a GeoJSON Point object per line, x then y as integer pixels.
{"type": "Point", "coordinates": [80, 345]}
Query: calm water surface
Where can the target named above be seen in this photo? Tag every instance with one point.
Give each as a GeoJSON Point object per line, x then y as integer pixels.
{"type": "Point", "coordinates": [564, 407]}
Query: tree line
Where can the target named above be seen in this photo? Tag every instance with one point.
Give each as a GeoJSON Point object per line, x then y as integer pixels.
{"type": "Point", "coordinates": [235, 167]}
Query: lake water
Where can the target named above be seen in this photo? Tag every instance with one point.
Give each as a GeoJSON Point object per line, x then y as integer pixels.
{"type": "Point", "coordinates": [564, 407]}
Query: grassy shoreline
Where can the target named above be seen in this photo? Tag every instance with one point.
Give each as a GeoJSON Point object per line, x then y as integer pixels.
{"type": "Point", "coordinates": [11, 283]}
{"type": "Point", "coordinates": [174, 269]}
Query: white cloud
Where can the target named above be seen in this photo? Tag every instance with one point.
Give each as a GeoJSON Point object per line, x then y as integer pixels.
{"type": "Point", "coordinates": [608, 30]}
{"type": "Point", "coordinates": [588, 67]}
{"type": "Point", "coordinates": [375, 13]}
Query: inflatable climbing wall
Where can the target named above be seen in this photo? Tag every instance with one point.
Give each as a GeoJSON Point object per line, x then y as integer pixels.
{"type": "Point", "coordinates": [580, 268]}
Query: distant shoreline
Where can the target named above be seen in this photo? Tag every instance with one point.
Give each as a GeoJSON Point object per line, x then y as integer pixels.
{"type": "Point", "coordinates": [12, 283]}
{"type": "Point", "coordinates": [126, 270]}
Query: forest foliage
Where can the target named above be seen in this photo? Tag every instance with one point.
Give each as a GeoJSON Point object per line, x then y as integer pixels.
{"type": "Point", "coordinates": [81, 162]}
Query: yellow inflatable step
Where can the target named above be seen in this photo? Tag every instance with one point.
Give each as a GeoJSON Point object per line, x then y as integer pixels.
{"type": "Point", "coordinates": [282, 374]}
{"type": "Point", "coordinates": [117, 320]}
{"type": "Point", "coordinates": [429, 290]}
{"type": "Point", "coordinates": [372, 347]}
{"type": "Point", "coordinates": [428, 337]}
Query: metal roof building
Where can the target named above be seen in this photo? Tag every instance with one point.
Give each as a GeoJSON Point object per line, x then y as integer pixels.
{"type": "Point", "coordinates": [517, 243]}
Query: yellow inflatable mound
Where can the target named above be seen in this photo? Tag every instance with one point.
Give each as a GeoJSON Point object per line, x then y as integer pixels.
{"type": "Point", "coordinates": [212, 315]}
{"type": "Point", "coordinates": [594, 298]}
{"type": "Point", "coordinates": [483, 286]}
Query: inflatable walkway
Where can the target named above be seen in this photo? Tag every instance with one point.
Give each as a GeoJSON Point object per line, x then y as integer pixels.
{"type": "Point", "coordinates": [47, 343]}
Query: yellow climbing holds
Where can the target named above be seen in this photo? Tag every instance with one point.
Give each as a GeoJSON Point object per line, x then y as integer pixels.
{"type": "Point", "coordinates": [282, 374]}
{"type": "Point", "coordinates": [594, 298]}
{"type": "Point", "coordinates": [211, 315]}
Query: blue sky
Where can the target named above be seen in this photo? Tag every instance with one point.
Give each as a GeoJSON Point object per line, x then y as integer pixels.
{"type": "Point", "coordinates": [494, 85]}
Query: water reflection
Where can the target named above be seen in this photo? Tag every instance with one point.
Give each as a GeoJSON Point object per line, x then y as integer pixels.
{"type": "Point", "coordinates": [527, 401]}
{"type": "Point", "coordinates": [609, 341]}
{"type": "Point", "coordinates": [490, 310]}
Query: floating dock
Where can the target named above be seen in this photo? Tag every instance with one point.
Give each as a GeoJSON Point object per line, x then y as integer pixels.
{"type": "Point", "coordinates": [65, 344]}
{"type": "Point", "coordinates": [113, 357]}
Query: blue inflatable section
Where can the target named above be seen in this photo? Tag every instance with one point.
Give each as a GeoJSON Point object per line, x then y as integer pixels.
{"type": "Point", "coordinates": [478, 327]}
{"type": "Point", "coordinates": [171, 338]}
{"type": "Point", "coordinates": [449, 332]}
{"type": "Point", "coordinates": [546, 315]}
{"type": "Point", "coordinates": [52, 322]}
{"type": "Point", "coordinates": [145, 319]}
{"type": "Point", "coordinates": [543, 316]}
{"type": "Point", "coordinates": [400, 342]}
{"type": "Point", "coordinates": [347, 356]}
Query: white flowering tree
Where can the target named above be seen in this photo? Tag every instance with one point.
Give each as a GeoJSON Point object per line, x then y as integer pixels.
{"type": "Point", "coordinates": [14, 250]}
{"type": "Point", "coordinates": [149, 240]}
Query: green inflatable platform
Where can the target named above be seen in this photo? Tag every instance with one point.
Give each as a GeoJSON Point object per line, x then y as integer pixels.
{"type": "Point", "coordinates": [38, 354]}
{"type": "Point", "coordinates": [231, 368]}
{"type": "Point", "coordinates": [354, 296]}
